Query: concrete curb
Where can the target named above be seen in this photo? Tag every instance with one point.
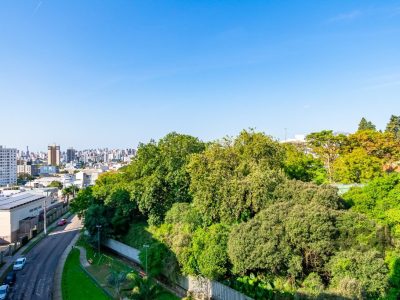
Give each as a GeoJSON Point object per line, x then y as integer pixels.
{"type": "Point", "coordinates": [57, 290]}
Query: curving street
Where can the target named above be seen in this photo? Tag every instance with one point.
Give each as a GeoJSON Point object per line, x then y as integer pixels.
{"type": "Point", "coordinates": [35, 281]}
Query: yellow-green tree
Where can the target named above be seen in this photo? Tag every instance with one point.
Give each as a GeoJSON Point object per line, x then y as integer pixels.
{"type": "Point", "coordinates": [357, 167]}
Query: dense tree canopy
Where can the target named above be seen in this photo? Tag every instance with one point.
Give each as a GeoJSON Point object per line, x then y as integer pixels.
{"type": "Point", "coordinates": [234, 180]}
{"type": "Point", "coordinates": [158, 176]}
{"type": "Point", "coordinates": [259, 214]}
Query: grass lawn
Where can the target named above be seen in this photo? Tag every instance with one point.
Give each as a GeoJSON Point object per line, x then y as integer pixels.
{"type": "Point", "coordinates": [107, 262]}
{"type": "Point", "coordinates": [76, 284]}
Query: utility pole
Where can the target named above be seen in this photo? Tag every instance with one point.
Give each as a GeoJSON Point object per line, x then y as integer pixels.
{"type": "Point", "coordinates": [98, 237]}
{"type": "Point", "coordinates": [45, 213]}
{"type": "Point", "coordinates": [45, 217]}
{"type": "Point", "coordinates": [146, 247]}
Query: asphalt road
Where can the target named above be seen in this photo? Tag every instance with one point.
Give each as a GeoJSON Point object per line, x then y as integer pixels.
{"type": "Point", "coordinates": [35, 281]}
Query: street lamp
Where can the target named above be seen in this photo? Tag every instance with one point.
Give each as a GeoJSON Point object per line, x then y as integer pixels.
{"type": "Point", "coordinates": [98, 237]}
{"type": "Point", "coordinates": [145, 246]}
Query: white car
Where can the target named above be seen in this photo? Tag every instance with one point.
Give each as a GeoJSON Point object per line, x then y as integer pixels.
{"type": "Point", "coordinates": [19, 264]}
{"type": "Point", "coordinates": [3, 291]}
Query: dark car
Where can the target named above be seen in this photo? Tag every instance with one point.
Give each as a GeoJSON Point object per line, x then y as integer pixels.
{"type": "Point", "coordinates": [10, 278]}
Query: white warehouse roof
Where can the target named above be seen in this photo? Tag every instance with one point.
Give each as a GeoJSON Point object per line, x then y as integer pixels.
{"type": "Point", "coordinates": [10, 202]}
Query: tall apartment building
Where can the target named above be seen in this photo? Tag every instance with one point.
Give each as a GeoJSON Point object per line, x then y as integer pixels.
{"type": "Point", "coordinates": [8, 166]}
{"type": "Point", "coordinates": [53, 155]}
{"type": "Point", "coordinates": [71, 155]}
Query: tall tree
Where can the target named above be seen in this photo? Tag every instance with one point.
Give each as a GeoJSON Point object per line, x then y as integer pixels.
{"type": "Point", "coordinates": [232, 181]}
{"type": "Point", "coordinates": [158, 176]}
{"type": "Point", "coordinates": [394, 126]}
{"type": "Point", "coordinates": [327, 146]}
{"type": "Point", "coordinates": [366, 125]}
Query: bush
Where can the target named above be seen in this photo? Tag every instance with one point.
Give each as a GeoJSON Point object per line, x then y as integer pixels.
{"type": "Point", "coordinates": [359, 274]}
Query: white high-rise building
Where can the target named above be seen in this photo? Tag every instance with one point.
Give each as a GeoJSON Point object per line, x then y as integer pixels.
{"type": "Point", "coordinates": [8, 166]}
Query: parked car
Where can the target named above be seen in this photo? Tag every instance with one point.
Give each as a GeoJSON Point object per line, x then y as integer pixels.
{"type": "Point", "coordinates": [3, 291]}
{"type": "Point", "coordinates": [10, 278]}
{"type": "Point", "coordinates": [19, 264]}
{"type": "Point", "coordinates": [62, 222]}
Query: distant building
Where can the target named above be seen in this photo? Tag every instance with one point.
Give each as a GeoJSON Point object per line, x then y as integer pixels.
{"type": "Point", "coordinates": [53, 155]}
{"type": "Point", "coordinates": [71, 155]}
{"type": "Point", "coordinates": [8, 166]}
{"type": "Point", "coordinates": [87, 177]}
{"type": "Point", "coordinates": [299, 139]}
{"type": "Point", "coordinates": [48, 170]}
{"type": "Point", "coordinates": [24, 167]}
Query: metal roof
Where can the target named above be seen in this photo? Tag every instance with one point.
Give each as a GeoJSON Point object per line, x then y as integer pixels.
{"type": "Point", "coordinates": [13, 201]}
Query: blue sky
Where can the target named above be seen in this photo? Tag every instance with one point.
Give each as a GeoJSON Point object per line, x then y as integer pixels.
{"type": "Point", "coordinates": [114, 73]}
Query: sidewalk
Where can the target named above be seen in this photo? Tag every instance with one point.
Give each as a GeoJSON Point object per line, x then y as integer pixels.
{"type": "Point", "coordinates": [82, 257]}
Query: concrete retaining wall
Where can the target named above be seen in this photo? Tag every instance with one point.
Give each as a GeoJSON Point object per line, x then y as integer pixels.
{"type": "Point", "coordinates": [202, 288]}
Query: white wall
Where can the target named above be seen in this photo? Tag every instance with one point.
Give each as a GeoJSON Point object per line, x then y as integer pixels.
{"type": "Point", "coordinates": [5, 224]}
{"type": "Point", "coordinates": [28, 210]}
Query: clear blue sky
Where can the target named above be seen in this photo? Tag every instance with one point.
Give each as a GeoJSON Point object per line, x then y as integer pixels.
{"type": "Point", "coordinates": [114, 73]}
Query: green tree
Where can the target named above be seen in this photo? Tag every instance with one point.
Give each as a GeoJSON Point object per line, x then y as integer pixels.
{"type": "Point", "coordinates": [357, 167]}
{"type": "Point", "coordinates": [359, 275]}
{"type": "Point", "coordinates": [56, 184]}
{"type": "Point", "coordinates": [70, 191]}
{"type": "Point", "coordinates": [154, 258]}
{"type": "Point", "coordinates": [366, 125]}
{"type": "Point", "coordinates": [380, 200]}
{"type": "Point", "coordinates": [381, 145]}
{"type": "Point", "coordinates": [82, 201]}
{"type": "Point", "coordinates": [145, 289]}
{"type": "Point", "coordinates": [394, 126]}
{"type": "Point", "coordinates": [98, 215]}
{"type": "Point", "coordinates": [235, 179]}
{"type": "Point", "coordinates": [327, 146]}
{"type": "Point", "coordinates": [116, 280]}
{"type": "Point", "coordinates": [284, 240]}
{"type": "Point", "coordinates": [119, 201]}
{"type": "Point", "coordinates": [302, 166]}
{"type": "Point", "coordinates": [312, 286]}
{"type": "Point", "coordinates": [158, 177]}
{"type": "Point", "coordinates": [209, 251]}
{"type": "Point", "coordinates": [24, 178]}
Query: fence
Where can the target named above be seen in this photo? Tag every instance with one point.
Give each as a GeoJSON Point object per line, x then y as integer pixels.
{"type": "Point", "coordinates": [199, 286]}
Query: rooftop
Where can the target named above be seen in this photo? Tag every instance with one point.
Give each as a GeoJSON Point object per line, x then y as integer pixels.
{"type": "Point", "coordinates": [19, 199]}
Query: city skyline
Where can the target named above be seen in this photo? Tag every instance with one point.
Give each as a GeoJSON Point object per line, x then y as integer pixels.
{"type": "Point", "coordinates": [89, 74]}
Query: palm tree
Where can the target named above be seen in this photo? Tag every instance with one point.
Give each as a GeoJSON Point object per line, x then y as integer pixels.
{"type": "Point", "coordinates": [116, 280]}
{"type": "Point", "coordinates": [69, 191]}
{"type": "Point", "coordinates": [145, 289]}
